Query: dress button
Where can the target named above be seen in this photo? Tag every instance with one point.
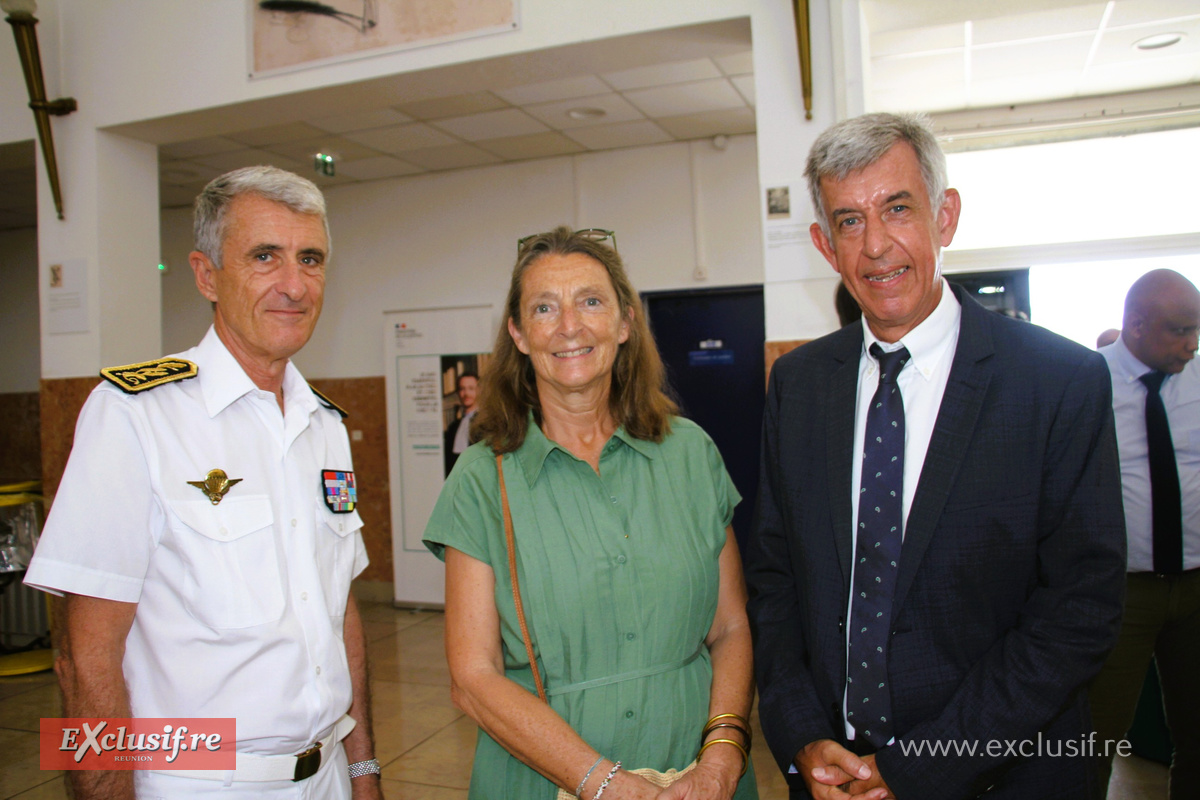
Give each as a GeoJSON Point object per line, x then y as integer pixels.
{"type": "Point", "coordinates": [621, 559]}
{"type": "Point", "coordinates": [224, 531]}
{"type": "Point", "coordinates": [631, 636]}
{"type": "Point", "coordinates": [304, 595]}
{"type": "Point", "coordinates": [629, 714]}
{"type": "Point", "coordinates": [614, 499]}
{"type": "Point", "coordinates": [318, 670]}
{"type": "Point", "coordinates": [294, 523]}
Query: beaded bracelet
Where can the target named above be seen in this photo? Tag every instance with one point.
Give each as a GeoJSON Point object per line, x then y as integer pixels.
{"type": "Point", "coordinates": [588, 774]}
{"type": "Point", "coordinates": [607, 778]}
{"type": "Point", "coordinates": [742, 750]}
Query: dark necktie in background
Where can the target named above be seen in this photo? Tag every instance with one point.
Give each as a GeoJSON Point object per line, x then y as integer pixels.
{"type": "Point", "coordinates": [877, 555]}
{"type": "Point", "coordinates": [1166, 503]}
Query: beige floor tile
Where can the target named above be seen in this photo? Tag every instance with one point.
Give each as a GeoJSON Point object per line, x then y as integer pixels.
{"type": "Point", "coordinates": [21, 763]}
{"type": "Point", "coordinates": [407, 714]}
{"type": "Point", "coordinates": [50, 790]}
{"type": "Point", "coordinates": [399, 790]}
{"type": "Point", "coordinates": [442, 760]}
{"type": "Point", "coordinates": [23, 711]}
{"type": "Point", "coordinates": [17, 684]}
{"type": "Point", "coordinates": [416, 654]}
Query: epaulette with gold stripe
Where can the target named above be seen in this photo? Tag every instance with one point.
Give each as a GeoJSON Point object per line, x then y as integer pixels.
{"type": "Point", "coordinates": [134, 378]}
{"type": "Point", "coordinates": [325, 401]}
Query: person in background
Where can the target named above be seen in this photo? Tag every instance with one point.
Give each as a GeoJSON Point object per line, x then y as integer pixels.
{"type": "Point", "coordinates": [204, 533]}
{"type": "Point", "coordinates": [458, 435]}
{"type": "Point", "coordinates": [1107, 337]}
{"type": "Point", "coordinates": [628, 568]}
{"type": "Point", "coordinates": [938, 555]}
{"type": "Point", "coordinates": [1156, 401]}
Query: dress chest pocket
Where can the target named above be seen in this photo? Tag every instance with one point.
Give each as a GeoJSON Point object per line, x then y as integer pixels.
{"type": "Point", "coordinates": [229, 560]}
{"type": "Point", "coordinates": [336, 543]}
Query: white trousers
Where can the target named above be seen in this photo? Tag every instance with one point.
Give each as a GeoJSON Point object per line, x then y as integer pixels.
{"type": "Point", "coordinates": [330, 783]}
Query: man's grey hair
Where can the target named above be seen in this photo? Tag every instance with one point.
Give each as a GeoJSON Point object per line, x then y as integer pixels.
{"type": "Point", "coordinates": [209, 219]}
{"type": "Point", "coordinates": [857, 143]}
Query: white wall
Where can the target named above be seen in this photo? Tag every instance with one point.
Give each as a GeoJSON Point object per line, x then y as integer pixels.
{"type": "Point", "coordinates": [20, 345]}
{"type": "Point", "coordinates": [450, 238]}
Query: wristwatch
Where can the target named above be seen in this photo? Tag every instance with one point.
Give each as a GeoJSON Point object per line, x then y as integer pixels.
{"type": "Point", "coordinates": [360, 768]}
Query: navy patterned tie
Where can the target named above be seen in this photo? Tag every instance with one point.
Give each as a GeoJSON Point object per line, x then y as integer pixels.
{"type": "Point", "coordinates": [877, 555]}
{"type": "Point", "coordinates": [1165, 500]}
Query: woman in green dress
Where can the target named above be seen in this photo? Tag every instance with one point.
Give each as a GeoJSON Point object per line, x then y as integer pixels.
{"type": "Point", "coordinates": [628, 570]}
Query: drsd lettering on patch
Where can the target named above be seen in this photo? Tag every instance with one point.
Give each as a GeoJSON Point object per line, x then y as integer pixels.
{"type": "Point", "coordinates": [134, 378]}
{"type": "Point", "coordinates": [340, 493]}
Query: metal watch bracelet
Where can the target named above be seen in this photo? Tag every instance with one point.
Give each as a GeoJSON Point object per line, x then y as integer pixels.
{"type": "Point", "coordinates": [360, 768]}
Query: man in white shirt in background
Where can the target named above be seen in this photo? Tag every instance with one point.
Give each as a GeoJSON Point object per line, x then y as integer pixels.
{"type": "Point", "coordinates": [204, 533]}
{"type": "Point", "coordinates": [1154, 371]}
{"type": "Point", "coordinates": [458, 435]}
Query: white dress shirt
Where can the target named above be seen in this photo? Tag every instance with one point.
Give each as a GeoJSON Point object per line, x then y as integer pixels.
{"type": "Point", "coordinates": [922, 382]}
{"type": "Point", "coordinates": [240, 605]}
{"type": "Point", "coordinates": [1181, 397]}
{"type": "Point", "coordinates": [462, 435]}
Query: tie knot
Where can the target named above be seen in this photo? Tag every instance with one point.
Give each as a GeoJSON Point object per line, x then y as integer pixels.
{"type": "Point", "coordinates": [1153, 380]}
{"type": "Point", "coordinates": [891, 363]}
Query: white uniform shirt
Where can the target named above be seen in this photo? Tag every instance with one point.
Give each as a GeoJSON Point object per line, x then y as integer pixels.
{"type": "Point", "coordinates": [241, 605]}
{"type": "Point", "coordinates": [1181, 397]}
{"type": "Point", "coordinates": [931, 347]}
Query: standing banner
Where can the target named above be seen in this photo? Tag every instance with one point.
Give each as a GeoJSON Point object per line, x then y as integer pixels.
{"type": "Point", "coordinates": [433, 358]}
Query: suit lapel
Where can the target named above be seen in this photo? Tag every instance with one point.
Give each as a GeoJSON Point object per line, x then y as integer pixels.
{"type": "Point", "coordinates": [839, 443]}
{"type": "Point", "coordinates": [966, 388]}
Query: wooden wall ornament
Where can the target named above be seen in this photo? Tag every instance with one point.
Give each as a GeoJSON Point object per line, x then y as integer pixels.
{"type": "Point", "coordinates": [804, 41]}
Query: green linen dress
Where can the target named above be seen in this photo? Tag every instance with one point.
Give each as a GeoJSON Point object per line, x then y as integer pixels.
{"type": "Point", "coordinates": [619, 578]}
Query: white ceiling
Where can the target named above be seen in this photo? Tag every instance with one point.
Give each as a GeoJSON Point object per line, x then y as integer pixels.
{"type": "Point", "coordinates": [961, 58]}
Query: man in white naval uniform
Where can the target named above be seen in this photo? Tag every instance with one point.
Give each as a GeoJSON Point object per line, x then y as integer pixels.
{"type": "Point", "coordinates": [205, 534]}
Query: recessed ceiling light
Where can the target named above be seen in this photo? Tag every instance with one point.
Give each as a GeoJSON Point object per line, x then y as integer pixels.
{"type": "Point", "coordinates": [587, 113]}
{"type": "Point", "coordinates": [1158, 41]}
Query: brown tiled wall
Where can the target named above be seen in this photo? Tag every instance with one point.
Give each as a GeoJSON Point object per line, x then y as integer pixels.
{"type": "Point", "coordinates": [363, 398]}
{"type": "Point", "coordinates": [20, 440]}
{"type": "Point", "coordinates": [775, 349]}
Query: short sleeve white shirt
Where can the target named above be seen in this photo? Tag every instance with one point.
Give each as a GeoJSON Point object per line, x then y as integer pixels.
{"type": "Point", "coordinates": [241, 604]}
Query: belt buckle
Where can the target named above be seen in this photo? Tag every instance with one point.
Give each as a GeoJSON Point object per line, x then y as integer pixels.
{"type": "Point", "coordinates": [307, 763]}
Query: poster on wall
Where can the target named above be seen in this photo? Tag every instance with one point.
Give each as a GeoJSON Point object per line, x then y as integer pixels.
{"type": "Point", "coordinates": [294, 34]}
{"type": "Point", "coordinates": [433, 360]}
{"type": "Point", "coordinates": [789, 252]}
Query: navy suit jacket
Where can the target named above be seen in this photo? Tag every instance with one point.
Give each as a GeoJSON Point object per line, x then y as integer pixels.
{"type": "Point", "coordinates": [1011, 579]}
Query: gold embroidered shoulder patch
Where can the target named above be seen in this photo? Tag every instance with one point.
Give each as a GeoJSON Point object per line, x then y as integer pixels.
{"type": "Point", "coordinates": [134, 378]}
{"type": "Point", "coordinates": [325, 401]}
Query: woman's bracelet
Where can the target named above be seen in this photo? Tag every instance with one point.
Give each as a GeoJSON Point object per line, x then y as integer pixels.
{"type": "Point", "coordinates": [607, 778]}
{"type": "Point", "coordinates": [588, 774]}
{"type": "Point", "coordinates": [742, 750]}
{"type": "Point", "coordinates": [714, 726]}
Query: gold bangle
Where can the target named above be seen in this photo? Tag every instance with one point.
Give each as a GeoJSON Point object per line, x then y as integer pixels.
{"type": "Point", "coordinates": [739, 717]}
{"type": "Point", "coordinates": [742, 750]}
{"type": "Point", "coordinates": [717, 725]}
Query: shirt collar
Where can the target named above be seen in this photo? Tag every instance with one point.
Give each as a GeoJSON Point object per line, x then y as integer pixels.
{"type": "Point", "coordinates": [928, 342]}
{"type": "Point", "coordinates": [533, 453]}
{"type": "Point", "coordinates": [1128, 367]}
{"type": "Point", "coordinates": [224, 382]}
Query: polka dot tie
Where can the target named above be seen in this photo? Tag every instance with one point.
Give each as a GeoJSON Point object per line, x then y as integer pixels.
{"type": "Point", "coordinates": [877, 555]}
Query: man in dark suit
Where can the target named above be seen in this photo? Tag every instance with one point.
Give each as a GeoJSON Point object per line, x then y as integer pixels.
{"type": "Point", "coordinates": [937, 564]}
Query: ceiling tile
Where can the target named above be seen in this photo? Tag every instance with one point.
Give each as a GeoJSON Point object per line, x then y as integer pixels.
{"type": "Point", "coordinates": [456, 106]}
{"type": "Point", "coordinates": [549, 91]}
{"type": "Point", "coordinates": [402, 137]}
{"type": "Point", "coordinates": [250, 158]}
{"type": "Point", "coordinates": [1032, 88]}
{"type": "Point", "coordinates": [1117, 45]}
{"type": "Point", "coordinates": [1133, 75]}
{"type": "Point", "coordinates": [1030, 58]}
{"type": "Point", "coordinates": [615, 107]}
{"type": "Point", "coordinates": [661, 74]}
{"type": "Point", "coordinates": [624, 134]}
{"type": "Point", "coordinates": [745, 86]}
{"type": "Point", "coordinates": [178, 173]}
{"type": "Point", "coordinates": [200, 147]}
{"type": "Point", "coordinates": [453, 156]}
{"type": "Point", "coordinates": [175, 196]}
{"type": "Point", "coordinates": [686, 98]}
{"type": "Point", "coordinates": [339, 146]}
{"type": "Point", "coordinates": [275, 134]}
{"type": "Point", "coordinates": [1128, 12]}
{"type": "Point", "coordinates": [737, 64]}
{"type": "Point", "coordinates": [361, 121]}
{"type": "Point", "coordinates": [1069, 20]}
{"type": "Point", "coordinates": [917, 40]}
{"type": "Point", "coordinates": [538, 145]}
{"type": "Point", "coordinates": [367, 169]}
{"type": "Point", "coordinates": [492, 125]}
{"type": "Point", "coordinates": [709, 123]}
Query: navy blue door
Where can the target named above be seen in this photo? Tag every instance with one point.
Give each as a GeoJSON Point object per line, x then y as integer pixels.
{"type": "Point", "coordinates": [712, 342]}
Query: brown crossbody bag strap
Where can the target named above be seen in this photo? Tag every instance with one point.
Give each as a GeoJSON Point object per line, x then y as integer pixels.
{"type": "Point", "coordinates": [511, 545]}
